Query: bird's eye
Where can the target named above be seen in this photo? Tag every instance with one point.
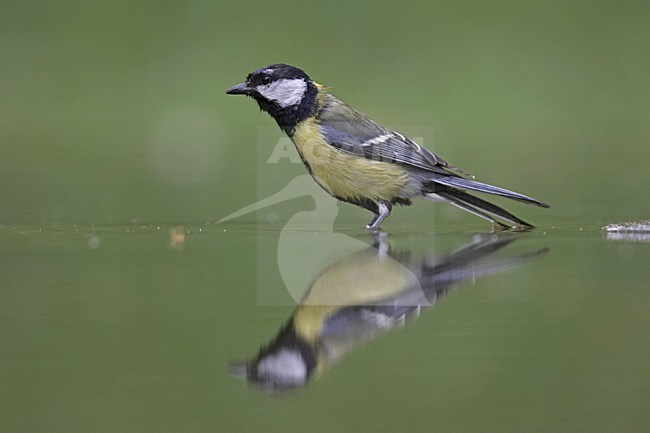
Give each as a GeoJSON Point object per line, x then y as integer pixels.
{"type": "Point", "coordinates": [265, 79]}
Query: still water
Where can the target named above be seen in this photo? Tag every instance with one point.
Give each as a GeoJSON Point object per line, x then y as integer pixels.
{"type": "Point", "coordinates": [146, 328]}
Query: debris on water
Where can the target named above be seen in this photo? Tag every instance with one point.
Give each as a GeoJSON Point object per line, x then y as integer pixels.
{"type": "Point", "coordinates": [177, 238]}
{"type": "Point", "coordinates": [635, 231]}
{"type": "Point", "coordinates": [94, 242]}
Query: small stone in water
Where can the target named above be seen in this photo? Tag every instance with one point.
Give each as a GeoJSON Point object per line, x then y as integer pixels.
{"type": "Point", "coordinates": [642, 226]}
{"type": "Point", "coordinates": [635, 231]}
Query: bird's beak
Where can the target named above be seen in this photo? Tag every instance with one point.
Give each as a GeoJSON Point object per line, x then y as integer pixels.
{"type": "Point", "coordinates": [239, 89]}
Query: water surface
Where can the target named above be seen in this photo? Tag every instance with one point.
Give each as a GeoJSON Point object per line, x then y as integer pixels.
{"type": "Point", "coordinates": [135, 328]}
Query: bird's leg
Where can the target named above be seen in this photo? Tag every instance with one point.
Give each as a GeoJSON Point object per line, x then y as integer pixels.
{"type": "Point", "coordinates": [383, 210]}
{"type": "Point", "coordinates": [372, 224]}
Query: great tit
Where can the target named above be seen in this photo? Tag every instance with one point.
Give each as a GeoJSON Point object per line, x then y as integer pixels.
{"type": "Point", "coordinates": [356, 299]}
{"type": "Point", "coordinates": [359, 161]}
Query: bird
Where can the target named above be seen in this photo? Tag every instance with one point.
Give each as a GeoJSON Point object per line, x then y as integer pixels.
{"type": "Point", "coordinates": [358, 161]}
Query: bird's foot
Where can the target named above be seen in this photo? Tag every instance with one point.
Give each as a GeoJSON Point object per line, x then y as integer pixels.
{"type": "Point", "coordinates": [498, 227]}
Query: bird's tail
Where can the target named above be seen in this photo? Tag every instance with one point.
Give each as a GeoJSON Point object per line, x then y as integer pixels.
{"type": "Point", "coordinates": [477, 206]}
{"type": "Point", "coordinates": [460, 182]}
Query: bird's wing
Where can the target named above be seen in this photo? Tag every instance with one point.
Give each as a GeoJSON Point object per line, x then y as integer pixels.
{"type": "Point", "coordinates": [351, 131]}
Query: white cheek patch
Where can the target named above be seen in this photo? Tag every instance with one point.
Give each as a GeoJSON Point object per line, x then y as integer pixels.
{"type": "Point", "coordinates": [286, 92]}
{"type": "Point", "coordinates": [285, 366]}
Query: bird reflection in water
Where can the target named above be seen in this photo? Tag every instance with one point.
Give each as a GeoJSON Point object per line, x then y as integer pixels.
{"type": "Point", "coordinates": [363, 295]}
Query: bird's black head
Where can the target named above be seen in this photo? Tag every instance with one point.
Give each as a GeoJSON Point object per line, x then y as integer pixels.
{"type": "Point", "coordinates": [283, 91]}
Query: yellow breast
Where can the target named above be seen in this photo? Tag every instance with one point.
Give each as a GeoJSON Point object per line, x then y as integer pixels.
{"type": "Point", "coordinates": [346, 175]}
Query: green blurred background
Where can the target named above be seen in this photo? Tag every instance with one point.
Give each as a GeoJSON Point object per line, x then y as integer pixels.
{"type": "Point", "coordinates": [114, 128]}
{"type": "Point", "coordinates": [115, 111]}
